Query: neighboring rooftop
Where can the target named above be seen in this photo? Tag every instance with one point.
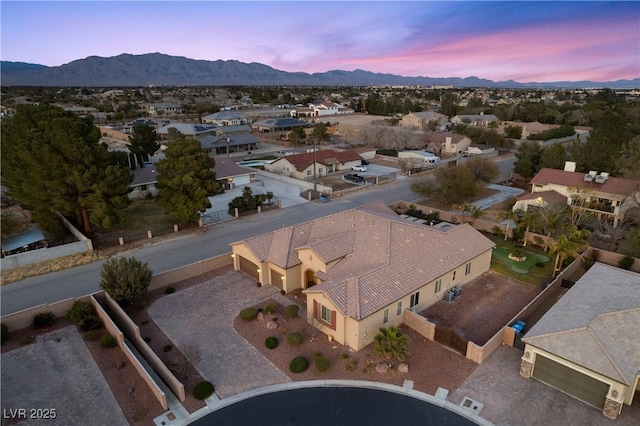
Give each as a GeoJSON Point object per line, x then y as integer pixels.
{"type": "Point", "coordinates": [612, 185]}
{"type": "Point", "coordinates": [326, 157]}
{"type": "Point", "coordinates": [595, 324]}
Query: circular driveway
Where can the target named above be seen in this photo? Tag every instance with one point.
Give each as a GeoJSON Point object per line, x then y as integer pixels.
{"type": "Point", "coordinates": [335, 406]}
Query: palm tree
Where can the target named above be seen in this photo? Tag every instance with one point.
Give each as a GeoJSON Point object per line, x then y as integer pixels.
{"type": "Point", "coordinates": [531, 219]}
{"type": "Point", "coordinates": [508, 216]}
{"type": "Point", "coordinates": [390, 343]}
{"type": "Point", "coordinates": [568, 245]}
{"type": "Point", "coordinates": [553, 218]}
{"type": "Point", "coordinates": [476, 212]}
{"type": "Point", "coordinates": [462, 208]}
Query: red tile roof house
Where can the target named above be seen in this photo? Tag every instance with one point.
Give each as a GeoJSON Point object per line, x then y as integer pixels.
{"type": "Point", "coordinates": [300, 166]}
{"type": "Point", "coordinates": [360, 269]}
{"type": "Point", "coordinates": [587, 344]}
{"type": "Point", "coordinates": [608, 198]}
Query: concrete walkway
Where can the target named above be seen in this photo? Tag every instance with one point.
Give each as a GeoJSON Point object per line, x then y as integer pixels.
{"type": "Point", "coordinates": [504, 193]}
{"type": "Point", "coordinates": [203, 315]}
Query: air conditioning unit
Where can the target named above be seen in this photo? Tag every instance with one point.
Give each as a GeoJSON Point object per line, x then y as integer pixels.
{"type": "Point", "coordinates": [456, 290]}
{"type": "Point", "coordinates": [449, 296]}
{"type": "Point", "coordinates": [588, 178]}
{"type": "Point", "coordinates": [600, 179]}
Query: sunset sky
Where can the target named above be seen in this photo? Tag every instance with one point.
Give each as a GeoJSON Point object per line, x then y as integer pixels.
{"type": "Point", "coordinates": [523, 41]}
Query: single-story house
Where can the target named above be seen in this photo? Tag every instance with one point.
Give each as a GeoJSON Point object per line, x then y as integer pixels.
{"type": "Point", "coordinates": [227, 118]}
{"type": "Point", "coordinates": [480, 149]}
{"type": "Point", "coordinates": [320, 107]}
{"type": "Point", "coordinates": [447, 142]}
{"type": "Point", "coordinates": [188, 130]}
{"type": "Point", "coordinates": [300, 166]}
{"type": "Point", "coordinates": [361, 268]}
{"type": "Point", "coordinates": [279, 124]}
{"type": "Point", "coordinates": [607, 197]}
{"type": "Point", "coordinates": [165, 108]}
{"type": "Point", "coordinates": [230, 174]}
{"type": "Point", "coordinates": [144, 183]}
{"type": "Point", "coordinates": [421, 156]}
{"type": "Point", "coordinates": [224, 144]}
{"type": "Point", "coordinates": [587, 344]}
{"type": "Point", "coordinates": [476, 119]}
{"type": "Point", "coordinates": [420, 120]}
{"type": "Point", "coordinates": [365, 152]}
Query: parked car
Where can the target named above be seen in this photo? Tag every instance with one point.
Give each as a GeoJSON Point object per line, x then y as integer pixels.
{"type": "Point", "coordinates": [365, 162]}
{"type": "Point", "coordinates": [359, 168]}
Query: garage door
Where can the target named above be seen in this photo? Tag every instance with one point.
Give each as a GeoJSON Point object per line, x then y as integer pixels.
{"type": "Point", "coordinates": [570, 381]}
{"type": "Point", "coordinates": [249, 268]}
{"type": "Point", "coordinates": [276, 279]}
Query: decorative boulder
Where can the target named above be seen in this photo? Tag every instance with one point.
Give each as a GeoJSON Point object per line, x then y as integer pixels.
{"type": "Point", "coordinates": [260, 316]}
{"type": "Point", "coordinates": [272, 325]}
{"type": "Point", "coordinates": [382, 368]}
{"type": "Point", "coordinates": [403, 367]}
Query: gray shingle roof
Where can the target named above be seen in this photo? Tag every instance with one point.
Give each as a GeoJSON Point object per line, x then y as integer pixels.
{"type": "Point", "coordinates": [380, 257]}
{"type": "Point", "coordinates": [595, 324]}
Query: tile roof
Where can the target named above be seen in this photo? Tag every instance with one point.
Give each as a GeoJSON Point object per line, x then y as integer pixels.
{"type": "Point", "coordinates": [225, 167]}
{"type": "Point", "coordinates": [613, 185]}
{"type": "Point", "coordinates": [550, 197]}
{"type": "Point", "coordinates": [380, 257]}
{"type": "Point", "coordinates": [595, 324]}
{"type": "Point", "coordinates": [327, 157]}
{"type": "Point", "coordinates": [441, 137]}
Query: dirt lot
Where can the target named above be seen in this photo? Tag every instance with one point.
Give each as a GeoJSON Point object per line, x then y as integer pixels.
{"type": "Point", "coordinates": [484, 306]}
{"type": "Point", "coordinates": [450, 370]}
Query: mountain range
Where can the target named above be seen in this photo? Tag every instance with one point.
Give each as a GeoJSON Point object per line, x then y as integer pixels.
{"type": "Point", "coordinates": [164, 70]}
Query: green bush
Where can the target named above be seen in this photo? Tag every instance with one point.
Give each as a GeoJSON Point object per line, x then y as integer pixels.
{"type": "Point", "coordinates": [167, 348]}
{"type": "Point", "coordinates": [351, 366]}
{"type": "Point", "coordinates": [108, 341]}
{"type": "Point", "coordinates": [626, 262]}
{"type": "Point", "coordinates": [125, 279]}
{"type": "Point", "coordinates": [90, 323]}
{"type": "Point", "coordinates": [5, 333]}
{"type": "Point", "coordinates": [271, 308]}
{"type": "Point", "coordinates": [43, 320]}
{"type": "Point", "coordinates": [83, 314]}
{"type": "Point", "coordinates": [169, 290]}
{"type": "Point", "coordinates": [271, 342]}
{"type": "Point", "coordinates": [299, 365]}
{"type": "Point", "coordinates": [291, 310]}
{"type": "Point", "coordinates": [203, 390]}
{"type": "Point", "coordinates": [248, 314]}
{"type": "Point", "coordinates": [321, 363]}
{"type": "Point", "coordinates": [294, 339]}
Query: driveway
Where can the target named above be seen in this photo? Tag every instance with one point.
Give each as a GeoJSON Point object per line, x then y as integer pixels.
{"type": "Point", "coordinates": [504, 193]}
{"type": "Point", "coordinates": [510, 399]}
{"type": "Point", "coordinates": [203, 315]}
{"type": "Point", "coordinates": [57, 376]}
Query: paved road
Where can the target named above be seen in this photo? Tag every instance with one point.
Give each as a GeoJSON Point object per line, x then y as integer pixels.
{"type": "Point", "coordinates": [184, 250]}
{"type": "Point", "coordinates": [334, 406]}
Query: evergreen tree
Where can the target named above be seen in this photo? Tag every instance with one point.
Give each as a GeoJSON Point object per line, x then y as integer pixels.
{"type": "Point", "coordinates": [186, 180]}
{"type": "Point", "coordinates": [528, 159]}
{"type": "Point", "coordinates": [143, 143]}
{"type": "Point", "coordinates": [125, 279]}
{"type": "Point", "coordinates": [553, 157]}
{"type": "Point", "coordinates": [52, 162]}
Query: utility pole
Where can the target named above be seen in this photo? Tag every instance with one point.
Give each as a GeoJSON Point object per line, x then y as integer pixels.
{"type": "Point", "coordinates": [315, 176]}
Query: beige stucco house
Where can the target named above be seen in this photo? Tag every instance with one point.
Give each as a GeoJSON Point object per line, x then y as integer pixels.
{"type": "Point", "coordinates": [360, 269]}
{"type": "Point", "coordinates": [300, 166]}
{"type": "Point", "coordinates": [448, 143]}
{"type": "Point", "coordinates": [587, 345]}
{"type": "Point", "coordinates": [420, 120]}
{"type": "Point", "coordinates": [607, 197]}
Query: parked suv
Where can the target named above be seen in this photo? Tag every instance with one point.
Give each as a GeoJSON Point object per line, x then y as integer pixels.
{"type": "Point", "coordinates": [359, 168]}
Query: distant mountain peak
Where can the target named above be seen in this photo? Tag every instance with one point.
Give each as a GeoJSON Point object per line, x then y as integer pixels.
{"type": "Point", "coordinates": [165, 70]}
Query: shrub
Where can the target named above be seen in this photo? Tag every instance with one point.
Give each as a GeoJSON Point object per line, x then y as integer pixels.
{"type": "Point", "coordinates": [343, 356]}
{"type": "Point", "coordinates": [147, 339]}
{"type": "Point", "coordinates": [299, 365]}
{"type": "Point", "coordinates": [169, 290]}
{"type": "Point", "coordinates": [517, 252]}
{"type": "Point", "coordinates": [167, 348]}
{"type": "Point", "coordinates": [5, 333]}
{"type": "Point", "coordinates": [271, 308]}
{"type": "Point", "coordinates": [294, 339]}
{"type": "Point", "coordinates": [203, 390]}
{"type": "Point", "coordinates": [90, 323]}
{"type": "Point", "coordinates": [291, 311]}
{"type": "Point", "coordinates": [79, 311]}
{"type": "Point", "coordinates": [125, 279]}
{"type": "Point", "coordinates": [321, 363]}
{"type": "Point", "coordinates": [626, 262]}
{"type": "Point", "coordinates": [248, 314]}
{"type": "Point", "coordinates": [108, 341]}
{"type": "Point", "coordinates": [92, 335]}
{"type": "Point", "coordinates": [351, 366]}
{"type": "Point", "coordinates": [43, 320]}
{"type": "Point", "coordinates": [271, 342]}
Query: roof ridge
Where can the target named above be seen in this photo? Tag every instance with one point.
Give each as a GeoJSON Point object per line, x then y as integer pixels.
{"type": "Point", "coordinates": [607, 354]}
{"type": "Point", "coordinates": [557, 333]}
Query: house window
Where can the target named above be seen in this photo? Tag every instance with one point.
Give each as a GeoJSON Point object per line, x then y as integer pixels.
{"type": "Point", "coordinates": [467, 269]}
{"type": "Point", "coordinates": [320, 170]}
{"type": "Point", "coordinates": [385, 316]}
{"type": "Point", "coordinates": [308, 172]}
{"type": "Point", "coordinates": [143, 187]}
{"type": "Point", "coordinates": [325, 314]}
{"type": "Point", "coordinates": [454, 276]}
{"type": "Point", "coordinates": [438, 286]}
{"type": "Point", "coordinates": [415, 299]}
{"type": "Point", "coordinates": [399, 308]}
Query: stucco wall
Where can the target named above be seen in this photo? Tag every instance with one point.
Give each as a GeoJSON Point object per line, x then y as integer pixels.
{"type": "Point", "coordinates": [189, 271]}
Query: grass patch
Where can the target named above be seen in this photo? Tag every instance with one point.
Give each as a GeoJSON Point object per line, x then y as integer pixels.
{"type": "Point", "coordinates": [484, 192]}
{"type": "Point", "coordinates": [53, 265]}
{"type": "Point", "coordinates": [528, 272]}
